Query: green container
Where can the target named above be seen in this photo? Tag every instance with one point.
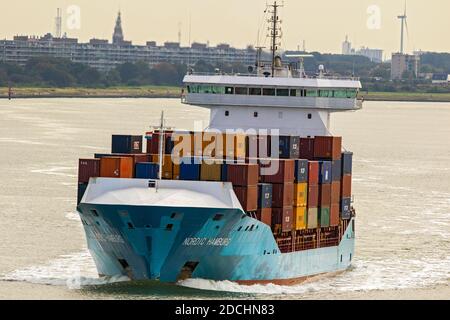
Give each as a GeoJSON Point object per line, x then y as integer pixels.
{"type": "Point", "coordinates": [312, 218]}
{"type": "Point", "coordinates": [324, 217]}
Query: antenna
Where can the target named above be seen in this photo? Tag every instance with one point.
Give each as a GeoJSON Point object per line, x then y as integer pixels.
{"type": "Point", "coordinates": [58, 23]}
{"type": "Point", "coordinates": [275, 32]}
{"type": "Point", "coordinates": [403, 24]}
{"type": "Point", "coordinates": [179, 33]}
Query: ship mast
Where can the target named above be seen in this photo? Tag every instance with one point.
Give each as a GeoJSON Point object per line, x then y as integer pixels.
{"type": "Point", "coordinates": [274, 31]}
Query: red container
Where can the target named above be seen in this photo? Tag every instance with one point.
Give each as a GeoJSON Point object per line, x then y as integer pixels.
{"type": "Point", "coordinates": [248, 197]}
{"type": "Point", "coordinates": [153, 147]}
{"type": "Point", "coordinates": [335, 192]}
{"type": "Point", "coordinates": [313, 175]}
{"type": "Point", "coordinates": [328, 147]}
{"type": "Point", "coordinates": [334, 215]}
{"type": "Point", "coordinates": [265, 215]}
{"type": "Point", "coordinates": [88, 168]}
{"type": "Point", "coordinates": [307, 148]}
{"type": "Point", "coordinates": [313, 196]}
{"type": "Point", "coordinates": [282, 195]}
{"type": "Point", "coordinates": [243, 174]}
{"type": "Point", "coordinates": [285, 172]}
{"type": "Point", "coordinates": [283, 216]}
{"type": "Point", "coordinates": [116, 167]}
{"type": "Point", "coordinates": [346, 187]}
{"type": "Point", "coordinates": [325, 195]}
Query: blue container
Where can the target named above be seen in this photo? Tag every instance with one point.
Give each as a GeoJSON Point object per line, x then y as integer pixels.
{"type": "Point", "coordinates": [289, 147]}
{"type": "Point", "coordinates": [190, 169]}
{"type": "Point", "coordinates": [147, 170]}
{"type": "Point", "coordinates": [347, 162]}
{"type": "Point", "coordinates": [325, 172]}
{"type": "Point", "coordinates": [81, 191]}
{"type": "Point", "coordinates": [126, 144]}
{"type": "Point", "coordinates": [336, 170]}
{"type": "Point", "coordinates": [264, 195]}
{"type": "Point", "coordinates": [224, 172]}
{"type": "Point", "coordinates": [346, 213]}
{"type": "Point", "coordinates": [301, 171]}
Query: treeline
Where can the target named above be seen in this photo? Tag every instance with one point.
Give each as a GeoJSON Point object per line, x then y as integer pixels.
{"type": "Point", "coordinates": [55, 72]}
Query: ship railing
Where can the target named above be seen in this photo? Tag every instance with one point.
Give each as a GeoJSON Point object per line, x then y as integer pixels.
{"type": "Point", "coordinates": [327, 77]}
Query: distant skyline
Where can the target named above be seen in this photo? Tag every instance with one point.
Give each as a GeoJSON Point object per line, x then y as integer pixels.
{"type": "Point", "coordinates": [323, 24]}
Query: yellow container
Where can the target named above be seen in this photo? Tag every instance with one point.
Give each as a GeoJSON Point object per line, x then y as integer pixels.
{"type": "Point", "coordinates": [167, 168]}
{"type": "Point", "coordinates": [234, 146]}
{"type": "Point", "coordinates": [300, 194]}
{"type": "Point", "coordinates": [210, 172]}
{"type": "Point", "coordinates": [300, 218]}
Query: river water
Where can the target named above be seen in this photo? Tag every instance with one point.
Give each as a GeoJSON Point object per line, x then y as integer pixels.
{"type": "Point", "coordinates": [401, 187]}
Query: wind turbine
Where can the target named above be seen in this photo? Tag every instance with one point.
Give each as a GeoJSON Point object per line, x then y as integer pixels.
{"type": "Point", "coordinates": [404, 24]}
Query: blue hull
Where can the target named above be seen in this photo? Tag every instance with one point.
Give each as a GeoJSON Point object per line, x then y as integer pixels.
{"type": "Point", "coordinates": [146, 242]}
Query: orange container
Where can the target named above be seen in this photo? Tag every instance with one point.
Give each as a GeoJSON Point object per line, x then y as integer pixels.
{"type": "Point", "coordinates": [235, 146]}
{"type": "Point", "coordinates": [183, 144]}
{"type": "Point", "coordinates": [167, 168]}
{"type": "Point", "coordinates": [116, 167]}
{"type": "Point", "coordinates": [334, 215]}
{"type": "Point", "coordinates": [213, 145]}
{"type": "Point", "coordinates": [335, 192]}
{"type": "Point", "coordinates": [346, 186]}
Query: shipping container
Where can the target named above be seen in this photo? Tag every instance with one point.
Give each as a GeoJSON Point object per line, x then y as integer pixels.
{"type": "Point", "coordinates": [213, 145]}
{"type": "Point", "coordinates": [243, 174]}
{"type": "Point", "coordinates": [325, 172]}
{"type": "Point", "coordinates": [88, 168]}
{"type": "Point", "coordinates": [301, 171]}
{"type": "Point", "coordinates": [265, 215]}
{"type": "Point", "coordinates": [190, 169]}
{"type": "Point", "coordinates": [324, 217]}
{"type": "Point", "coordinates": [313, 196]}
{"type": "Point", "coordinates": [306, 148]}
{"type": "Point", "coordinates": [300, 194]}
{"type": "Point", "coordinates": [327, 147]}
{"type": "Point", "coordinates": [167, 167]}
{"type": "Point", "coordinates": [183, 143]}
{"type": "Point", "coordinates": [334, 215]}
{"type": "Point", "coordinates": [81, 191]}
{"type": "Point", "coordinates": [336, 170]}
{"type": "Point", "coordinates": [313, 172]}
{"type": "Point", "coordinates": [346, 187]}
{"type": "Point", "coordinates": [300, 218]}
{"type": "Point", "coordinates": [289, 147]}
{"type": "Point", "coordinates": [325, 195]}
{"type": "Point", "coordinates": [211, 171]}
{"type": "Point", "coordinates": [264, 195]}
{"type": "Point", "coordinates": [284, 217]}
{"type": "Point", "coordinates": [126, 144]}
{"type": "Point", "coordinates": [282, 195]}
{"type": "Point", "coordinates": [248, 197]}
{"type": "Point", "coordinates": [312, 221]}
{"type": "Point", "coordinates": [147, 170]}
{"type": "Point", "coordinates": [346, 213]}
{"type": "Point", "coordinates": [347, 162]}
{"type": "Point", "coordinates": [335, 192]}
{"type": "Point", "coordinates": [167, 143]}
{"type": "Point", "coordinates": [251, 146]}
{"type": "Point", "coordinates": [176, 171]}
{"type": "Point", "coordinates": [116, 167]}
{"type": "Point", "coordinates": [235, 146]}
{"type": "Point", "coordinates": [277, 170]}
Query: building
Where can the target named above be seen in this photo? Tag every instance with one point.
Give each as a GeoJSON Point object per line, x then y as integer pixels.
{"type": "Point", "coordinates": [375, 55]}
{"type": "Point", "coordinates": [404, 63]}
{"type": "Point", "coordinates": [440, 78]}
{"type": "Point", "coordinates": [104, 56]}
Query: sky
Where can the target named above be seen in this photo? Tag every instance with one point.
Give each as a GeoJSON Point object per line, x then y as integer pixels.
{"type": "Point", "coordinates": [322, 24]}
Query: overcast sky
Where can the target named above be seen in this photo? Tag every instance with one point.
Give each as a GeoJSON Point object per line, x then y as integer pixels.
{"type": "Point", "coordinates": [323, 24]}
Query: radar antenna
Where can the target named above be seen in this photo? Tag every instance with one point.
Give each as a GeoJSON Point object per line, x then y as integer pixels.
{"type": "Point", "coordinates": [275, 32]}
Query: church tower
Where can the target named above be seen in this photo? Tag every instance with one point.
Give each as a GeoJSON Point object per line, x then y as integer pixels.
{"type": "Point", "coordinates": [118, 32]}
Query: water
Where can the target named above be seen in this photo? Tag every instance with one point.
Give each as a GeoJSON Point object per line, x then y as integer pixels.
{"type": "Point", "coordinates": [401, 186]}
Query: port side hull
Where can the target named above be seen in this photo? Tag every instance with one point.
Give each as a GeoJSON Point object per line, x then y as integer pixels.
{"type": "Point", "coordinates": [152, 242]}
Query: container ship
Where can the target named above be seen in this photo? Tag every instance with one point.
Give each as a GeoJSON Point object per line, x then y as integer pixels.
{"type": "Point", "coordinates": [262, 195]}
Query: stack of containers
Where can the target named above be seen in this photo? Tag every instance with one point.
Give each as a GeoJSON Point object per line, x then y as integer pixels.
{"type": "Point", "coordinates": [264, 212]}
{"type": "Point", "coordinates": [244, 178]}
{"type": "Point", "coordinates": [313, 194]}
{"type": "Point", "coordinates": [87, 168]}
{"type": "Point", "coordinates": [282, 192]}
{"type": "Point", "coordinates": [346, 185]}
{"type": "Point", "coordinates": [327, 149]}
{"type": "Point", "coordinates": [300, 194]}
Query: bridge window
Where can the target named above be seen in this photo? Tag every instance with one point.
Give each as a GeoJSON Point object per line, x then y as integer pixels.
{"type": "Point", "coordinates": [227, 113]}
{"type": "Point", "coordinates": [229, 90]}
{"type": "Point", "coordinates": [309, 116]}
{"type": "Point", "coordinates": [241, 90]}
{"type": "Point", "coordinates": [218, 90]}
{"type": "Point", "coordinates": [255, 91]}
{"type": "Point", "coordinates": [311, 93]}
{"type": "Point", "coordinates": [294, 93]}
{"type": "Point", "coordinates": [352, 94]}
{"type": "Point", "coordinates": [283, 92]}
{"type": "Point", "coordinates": [268, 92]}
{"type": "Point", "coordinates": [255, 114]}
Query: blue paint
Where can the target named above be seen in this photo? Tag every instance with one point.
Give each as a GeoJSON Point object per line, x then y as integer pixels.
{"type": "Point", "coordinates": [151, 251]}
{"type": "Point", "coordinates": [146, 170]}
{"type": "Point", "coordinates": [325, 172]}
{"type": "Point", "coordinates": [126, 144]}
{"type": "Point", "coordinates": [289, 147]}
{"type": "Point", "coordinates": [190, 169]}
{"type": "Point", "coordinates": [301, 171]}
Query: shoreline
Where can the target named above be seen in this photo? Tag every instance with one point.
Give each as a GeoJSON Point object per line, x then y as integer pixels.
{"type": "Point", "coordinates": [168, 92]}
